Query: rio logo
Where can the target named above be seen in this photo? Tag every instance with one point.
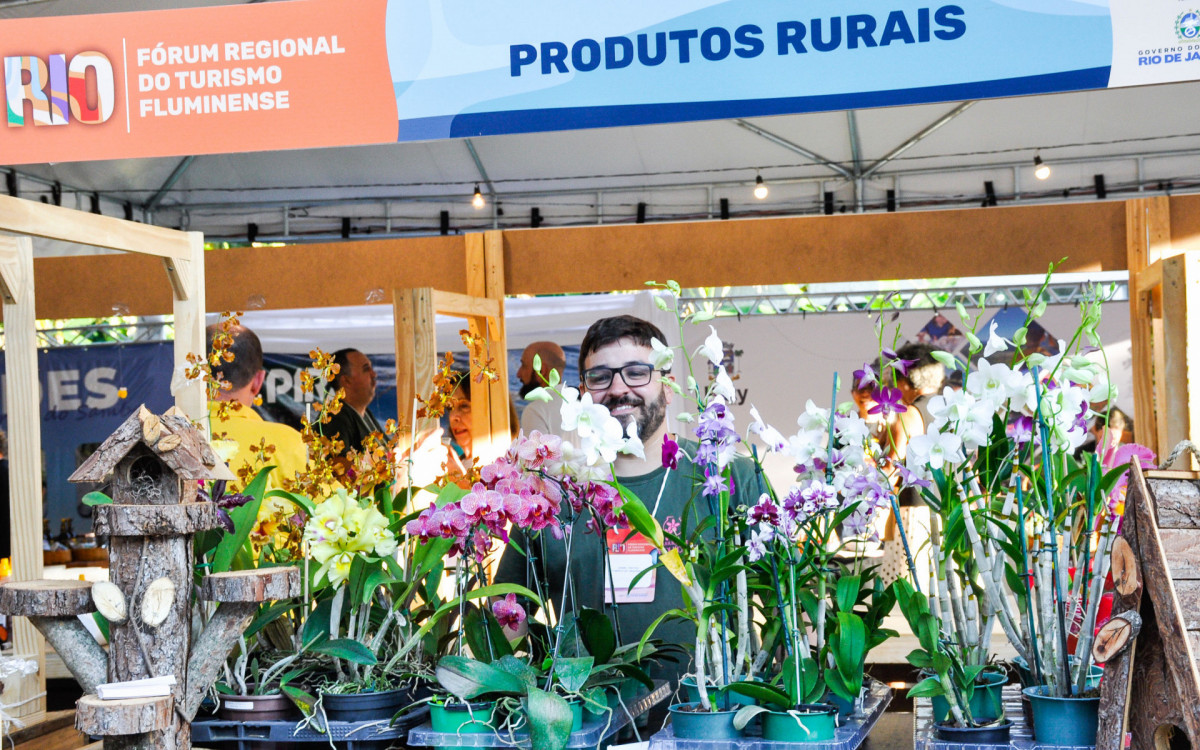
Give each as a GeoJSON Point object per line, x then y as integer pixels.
{"type": "Point", "coordinates": [58, 91]}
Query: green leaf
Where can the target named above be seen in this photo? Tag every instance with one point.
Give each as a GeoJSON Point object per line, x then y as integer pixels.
{"type": "Point", "coordinates": [852, 642]}
{"type": "Point", "coordinates": [762, 692]}
{"type": "Point", "coordinates": [518, 668]}
{"type": "Point", "coordinates": [598, 636]}
{"type": "Point", "coordinates": [920, 659]}
{"type": "Point", "coordinates": [305, 503]}
{"type": "Point", "coordinates": [495, 589]}
{"type": "Point", "coordinates": [654, 625]}
{"type": "Point", "coordinates": [746, 714]}
{"type": "Point", "coordinates": [268, 614]}
{"type": "Point", "coordinates": [640, 519]}
{"type": "Point", "coordinates": [469, 678]}
{"type": "Point", "coordinates": [92, 499]}
{"type": "Point", "coordinates": [317, 623]}
{"type": "Point", "coordinates": [572, 673]}
{"type": "Point", "coordinates": [102, 624]}
{"type": "Point", "coordinates": [637, 673]}
{"type": "Point", "coordinates": [549, 720]}
{"type": "Point", "coordinates": [926, 688]}
{"type": "Point", "coordinates": [243, 519]}
{"type": "Point", "coordinates": [847, 592]}
{"type": "Point", "coordinates": [346, 648]}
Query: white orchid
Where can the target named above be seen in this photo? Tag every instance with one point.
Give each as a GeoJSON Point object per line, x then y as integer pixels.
{"type": "Point", "coordinates": [950, 406]}
{"type": "Point", "coordinates": [712, 348]}
{"type": "Point", "coordinates": [773, 438]}
{"type": "Point", "coordinates": [633, 444]}
{"type": "Point", "coordinates": [851, 428]}
{"type": "Point", "coordinates": [995, 343]}
{"type": "Point", "coordinates": [723, 386]}
{"type": "Point", "coordinates": [975, 427]}
{"type": "Point", "coordinates": [661, 355]}
{"type": "Point", "coordinates": [814, 418]}
{"type": "Point", "coordinates": [540, 394]}
{"type": "Point", "coordinates": [994, 383]}
{"type": "Point", "coordinates": [935, 450]}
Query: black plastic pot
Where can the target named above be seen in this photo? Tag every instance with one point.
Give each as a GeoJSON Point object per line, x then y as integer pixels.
{"type": "Point", "coordinates": [365, 706]}
{"type": "Point", "coordinates": [273, 707]}
{"type": "Point", "coordinates": [997, 734]}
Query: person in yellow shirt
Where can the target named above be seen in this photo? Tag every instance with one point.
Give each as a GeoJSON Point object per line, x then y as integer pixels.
{"type": "Point", "coordinates": [259, 442]}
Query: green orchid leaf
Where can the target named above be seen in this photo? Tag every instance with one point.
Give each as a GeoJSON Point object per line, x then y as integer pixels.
{"type": "Point", "coordinates": [573, 673]}
{"type": "Point", "coordinates": [243, 519]}
{"type": "Point", "coordinates": [746, 714]}
{"type": "Point", "coordinates": [519, 669]}
{"type": "Point", "coordinates": [639, 517]}
{"type": "Point", "coordinates": [598, 635]}
{"type": "Point", "coordinates": [467, 679]}
{"type": "Point", "coordinates": [345, 648]}
{"type": "Point", "coordinates": [847, 592]}
{"type": "Point", "coordinates": [549, 720]}
{"type": "Point", "coordinates": [92, 499]}
{"type": "Point", "coordinates": [926, 688]}
{"type": "Point", "coordinates": [637, 673]}
{"type": "Point", "coordinates": [762, 692]}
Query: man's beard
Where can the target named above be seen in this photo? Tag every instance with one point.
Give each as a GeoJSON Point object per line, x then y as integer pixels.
{"type": "Point", "coordinates": [648, 417]}
{"type": "Point", "coordinates": [527, 387]}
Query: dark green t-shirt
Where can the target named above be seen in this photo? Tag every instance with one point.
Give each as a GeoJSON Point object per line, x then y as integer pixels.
{"type": "Point", "coordinates": [678, 488]}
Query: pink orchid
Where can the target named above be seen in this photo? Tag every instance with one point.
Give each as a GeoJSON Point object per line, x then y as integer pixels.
{"type": "Point", "coordinates": [508, 612]}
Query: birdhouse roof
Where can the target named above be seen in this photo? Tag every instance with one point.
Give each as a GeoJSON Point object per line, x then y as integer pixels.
{"type": "Point", "coordinates": [171, 437]}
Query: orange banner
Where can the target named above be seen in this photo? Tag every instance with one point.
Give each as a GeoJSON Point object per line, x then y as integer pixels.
{"type": "Point", "coordinates": [298, 74]}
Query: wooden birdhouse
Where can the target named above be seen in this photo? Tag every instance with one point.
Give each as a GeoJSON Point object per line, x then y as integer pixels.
{"type": "Point", "coordinates": [1150, 695]}
{"type": "Point", "coordinates": [154, 464]}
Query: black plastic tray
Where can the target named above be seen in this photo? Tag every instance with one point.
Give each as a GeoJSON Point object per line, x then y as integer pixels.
{"type": "Point", "coordinates": [345, 735]}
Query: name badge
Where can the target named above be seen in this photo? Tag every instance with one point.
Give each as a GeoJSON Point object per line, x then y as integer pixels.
{"type": "Point", "coordinates": [629, 553]}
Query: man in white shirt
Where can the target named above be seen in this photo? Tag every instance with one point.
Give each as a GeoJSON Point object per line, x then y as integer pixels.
{"type": "Point", "coordinates": [545, 417]}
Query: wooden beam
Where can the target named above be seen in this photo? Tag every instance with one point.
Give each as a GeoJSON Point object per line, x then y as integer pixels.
{"type": "Point", "coordinates": [465, 306]}
{"type": "Point", "coordinates": [481, 410]}
{"type": "Point", "coordinates": [57, 223]}
{"type": "Point", "coordinates": [1180, 307]}
{"type": "Point", "coordinates": [493, 260]}
{"type": "Point", "coordinates": [1149, 278]}
{"type": "Point", "coordinates": [188, 283]}
{"type": "Point", "coordinates": [416, 354]}
{"type": "Point", "coordinates": [24, 458]}
{"type": "Point", "coordinates": [1147, 240]}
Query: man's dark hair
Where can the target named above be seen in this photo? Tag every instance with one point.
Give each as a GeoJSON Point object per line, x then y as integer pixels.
{"type": "Point", "coordinates": [1115, 418]}
{"type": "Point", "coordinates": [247, 355]}
{"type": "Point", "coordinates": [342, 359]}
{"type": "Point", "coordinates": [611, 330]}
{"type": "Point", "coordinates": [925, 374]}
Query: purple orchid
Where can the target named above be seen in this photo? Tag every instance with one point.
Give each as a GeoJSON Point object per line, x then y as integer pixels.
{"type": "Point", "coordinates": [224, 501]}
{"type": "Point", "coordinates": [670, 454]}
{"type": "Point", "coordinates": [508, 612]}
{"type": "Point", "coordinates": [888, 401]}
{"type": "Point", "coordinates": [864, 377]}
{"type": "Point", "coordinates": [1020, 429]}
{"type": "Point", "coordinates": [714, 484]}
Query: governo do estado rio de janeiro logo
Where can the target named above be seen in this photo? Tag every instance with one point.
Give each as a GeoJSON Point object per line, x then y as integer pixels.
{"type": "Point", "coordinates": [1187, 26]}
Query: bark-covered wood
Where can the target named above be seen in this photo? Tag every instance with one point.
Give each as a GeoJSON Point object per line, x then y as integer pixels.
{"type": "Point", "coordinates": [1124, 568]}
{"type": "Point", "coordinates": [138, 651]}
{"type": "Point", "coordinates": [217, 639]}
{"type": "Point", "coordinates": [1177, 504]}
{"type": "Point", "coordinates": [79, 650]}
{"type": "Point", "coordinates": [1176, 648]}
{"type": "Point", "coordinates": [1153, 700]}
{"type": "Point", "coordinates": [181, 447]}
{"type": "Point", "coordinates": [155, 520]}
{"type": "Point", "coordinates": [261, 585]}
{"type": "Point", "coordinates": [123, 717]}
{"type": "Point", "coordinates": [1117, 685]}
{"type": "Point", "coordinates": [1115, 635]}
{"type": "Point", "coordinates": [1188, 594]}
{"type": "Point", "coordinates": [1182, 548]}
{"type": "Point", "coordinates": [46, 598]}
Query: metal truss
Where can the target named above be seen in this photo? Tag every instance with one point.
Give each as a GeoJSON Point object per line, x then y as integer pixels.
{"type": "Point", "coordinates": [737, 302]}
{"type": "Point", "coordinates": [105, 332]}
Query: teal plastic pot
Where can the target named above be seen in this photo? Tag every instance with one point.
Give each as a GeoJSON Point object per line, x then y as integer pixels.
{"type": "Point", "coordinates": [844, 707]}
{"type": "Point", "coordinates": [1063, 721]}
{"type": "Point", "coordinates": [576, 715]}
{"type": "Point", "coordinates": [813, 722]}
{"type": "Point", "coordinates": [715, 695]}
{"type": "Point", "coordinates": [987, 702]}
{"type": "Point", "coordinates": [999, 734]}
{"type": "Point", "coordinates": [455, 718]}
{"type": "Point", "coordinates": [692, 724]}
{"type": "Point", "coordinates": [627, 690]}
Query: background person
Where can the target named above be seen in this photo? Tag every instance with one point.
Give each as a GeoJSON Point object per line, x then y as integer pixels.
{"type": "Point", "coordinates": [354, 422]}
{"type": "Point", "coordinates": [543, 416]}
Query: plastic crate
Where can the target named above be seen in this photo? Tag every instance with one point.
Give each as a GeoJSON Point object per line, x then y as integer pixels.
{"type": "Point", "coordinates": [1020, 739]}
{"type": "Point", "coordinates": [596, 731]}
{"type": "Point", "coordinates": [346, 735]}
{"type": "Point", "coordinates": [849, 736]}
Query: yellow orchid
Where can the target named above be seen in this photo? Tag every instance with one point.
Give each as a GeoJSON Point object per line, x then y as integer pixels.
{"type": "Point", "coordinates": [341, 528]}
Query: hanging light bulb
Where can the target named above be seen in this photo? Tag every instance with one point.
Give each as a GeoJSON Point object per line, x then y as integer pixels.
{"type": "Point", "coordinates": [477, 199]}
{"type": "Point", "coordinates": [1041, 169]}
{"type": "Point", "coordinates": [760, 188]}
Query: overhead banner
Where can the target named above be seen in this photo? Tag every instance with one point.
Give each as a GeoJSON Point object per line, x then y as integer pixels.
{"type": "Point", "coordinates": [314, 73]}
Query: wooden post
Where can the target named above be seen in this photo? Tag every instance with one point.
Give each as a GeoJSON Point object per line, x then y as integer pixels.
{"type": "Point", "coordinates": [481, 410]}
{"type": "Point", "coordinates": [493, 260]}
{"type": "Point", "coordinates": [24, 458]}
{"type": "Point", "coordinates": [1181, 351]}
{"type": "Point", "coordinates": [1148, 239]}
{"type": "Point", "coordinates": [188, 287]}
{"type": "Point", "coordinates": [416, 352]}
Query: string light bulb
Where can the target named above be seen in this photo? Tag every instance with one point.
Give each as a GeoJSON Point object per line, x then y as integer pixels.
{"type": "Point", "coordinates": [477, 199]}
{"type": "Point", "coordinates": [760, 188]}
{"type": "Point", "coordinates": [1041, 169]}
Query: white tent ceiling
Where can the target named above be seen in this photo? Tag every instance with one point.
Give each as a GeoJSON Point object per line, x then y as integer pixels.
{"type": "Point", "coordinates": [1140, 140]}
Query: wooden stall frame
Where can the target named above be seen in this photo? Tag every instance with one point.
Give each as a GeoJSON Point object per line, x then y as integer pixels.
{"type": "Point", "coordinates": [1164, 294]}
{"type": "Point", "coordinates": [182, 256]}
{"type": "Point", "coordinates": [416, 343]}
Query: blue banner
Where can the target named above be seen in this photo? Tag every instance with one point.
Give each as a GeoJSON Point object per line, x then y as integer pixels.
{"type": "Point", "coordinates": [464, 69]}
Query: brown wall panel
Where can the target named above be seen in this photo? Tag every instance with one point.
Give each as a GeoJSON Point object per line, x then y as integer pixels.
{"type": "Point", "coordinates": [976, 242]}
{"type": "Point", "coordinates": [1185, 222]}
{"type": "Point", "coordinates": [324, 275]}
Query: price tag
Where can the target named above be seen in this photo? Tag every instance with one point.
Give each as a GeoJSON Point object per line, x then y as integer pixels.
{"type": "Point", "coordinates": [629, 553]}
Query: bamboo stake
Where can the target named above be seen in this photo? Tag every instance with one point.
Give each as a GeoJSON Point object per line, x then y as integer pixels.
{"type": "Point", "coordinates": [1083, 647]}
{"type": "Point", "coordinates": [996, 599]}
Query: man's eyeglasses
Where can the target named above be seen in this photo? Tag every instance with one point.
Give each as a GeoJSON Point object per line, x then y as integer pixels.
{"type": "Point", "coordinates": [634, 374]}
